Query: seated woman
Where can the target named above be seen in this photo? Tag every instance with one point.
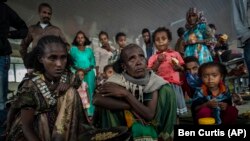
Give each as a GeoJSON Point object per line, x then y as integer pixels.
{"type": "Point", "coordinates": [135, 97]}
{"type": "Point", "coordinates": [47, 107]}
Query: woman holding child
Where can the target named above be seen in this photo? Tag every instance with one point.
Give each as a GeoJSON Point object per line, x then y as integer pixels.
{"type": "Point", "coordinates": [83, 58]}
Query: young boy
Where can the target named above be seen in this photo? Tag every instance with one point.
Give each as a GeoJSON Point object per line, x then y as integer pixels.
{"type": "Point", "coordinates": [108, 72]}
{"type": "Point", "coordinates": [120, 39]}
{"type": "Point", "coordinates": [192, 80]}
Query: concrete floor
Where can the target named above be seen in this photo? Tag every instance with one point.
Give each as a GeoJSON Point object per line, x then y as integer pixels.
{"type": "Point", "coordinates": [183, 120]}
{"type": "Point", "coordinates": [187, 119]}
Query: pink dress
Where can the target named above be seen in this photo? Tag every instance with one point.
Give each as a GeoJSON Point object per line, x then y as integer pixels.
{"type": "Point", "coordinates": [166, 70]}
{"type": "Point", "coordinates": [82, 90]}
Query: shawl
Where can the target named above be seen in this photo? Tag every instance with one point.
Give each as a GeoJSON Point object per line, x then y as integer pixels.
{"type": "Point", "coordinates": [150, 83]}
{"type": "Point", "coordinates": [193, 80]}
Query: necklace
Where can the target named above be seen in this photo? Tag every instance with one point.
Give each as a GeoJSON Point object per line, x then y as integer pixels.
{"type": "Point", "coordinates": [43, 87]}
{"type": "Point", "coordinates": [49, 81]}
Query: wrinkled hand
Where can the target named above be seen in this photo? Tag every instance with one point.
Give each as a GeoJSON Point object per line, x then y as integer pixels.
{"type": "Point", "coordinates": [161, 57]}
{"type": "Point", "coordinates": [223, 105]}
{"type": "Point", "coordinates": [212, 103]}
{"type": "Point", "coordinates": [90, 68]}
{"type": "Point", "coordinates": [87, 70]}
{"type": "Point", "coordinates": [192, 42]}
{"type": "Point", "coordinates": [189, 43]}
{"type": "Point", "coordinates": [112, 89]}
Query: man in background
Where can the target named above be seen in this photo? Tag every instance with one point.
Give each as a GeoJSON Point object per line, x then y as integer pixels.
{"type": "Point", "coordinates": [8, 18]}
{"type": "Point", "coordinates": [148, 46]}
{"type": "Point", "coordinates": [242, 26]}
{"type": "Point", "coordinates": [40, 29]}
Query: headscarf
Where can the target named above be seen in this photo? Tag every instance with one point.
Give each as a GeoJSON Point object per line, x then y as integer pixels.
{"type": "Point", "coordinates": [200, 15]}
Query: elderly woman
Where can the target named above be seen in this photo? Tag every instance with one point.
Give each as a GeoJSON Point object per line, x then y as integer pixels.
{"type": "Point", "coordinates": [197, 37]}
{"type": "Point", "coordinates": [47, 107]}
{"type": "Point", "coordinates": [137, 98]}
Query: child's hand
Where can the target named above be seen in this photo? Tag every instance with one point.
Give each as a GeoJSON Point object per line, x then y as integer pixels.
{"type": "Point", "coordinates": [223, 105]}
{"type": "Point", "coordinates": [212, 103]}
{"type": "Point", "coordinates": [177, 67]}
{"type": "Point", "coordinates": [174, 61]}
{"type": "Point", "coordinates": [87, 70]}
{"type": "Point", "coordinates": [161, 57]}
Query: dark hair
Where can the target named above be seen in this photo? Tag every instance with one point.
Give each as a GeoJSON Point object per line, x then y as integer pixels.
{"type": "Point", "coordinates": [42, 5]}
{"type": "Point", "coordinates": [118, 35]}
{"type": "Point", "coordinates": [38, 52]}
{"type": "Point", "coordinates": [87, 41]}
{"type": "Point", "coordinates": [27, 60]}
{"type": "Point", "coordinates": [163, 29]}
{"type": "Point", "coordinates": [212, 26]}
{"type": "Point", "coordinates": [145, 30]}
{"type": "Point", "coordinates": [117, 66]}
{"type": "Point", "coordinates": [79, 70]}
{"type": "Point", "coordinates": [180, 31]}
{"type": "Point", "coordinates": [103, 33]}
{"type": "Point", "coordinates": [189, 59]}
{"type": "Point", "coordinates": [221, 67]}
{"type": "Point", "coordinates": [107, 67]}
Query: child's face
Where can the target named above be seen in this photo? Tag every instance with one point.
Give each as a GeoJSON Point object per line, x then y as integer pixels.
{"type": "Point", "coordinates": [109, 72]}
{"type": "Point", "coordinates": [81, 75]}
{"type": "Point", "coordinates": [104, 39]}
{"type": "Point", "coordinates": [146, 37]}
{"type": "Point", "coordinates": [161, 41]}
{"type": "Point", "coordinates": [192, 67]}
{"type": "Point", "coordinates": [211, 77]}
{"type": "Point", "coordinates": [122, 41]}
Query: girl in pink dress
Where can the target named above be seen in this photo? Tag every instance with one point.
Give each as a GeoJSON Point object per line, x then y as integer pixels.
{"type": "Point", "coordinates": [83, 90]}
{"type": "Point", "coordinates": [168, 64]}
